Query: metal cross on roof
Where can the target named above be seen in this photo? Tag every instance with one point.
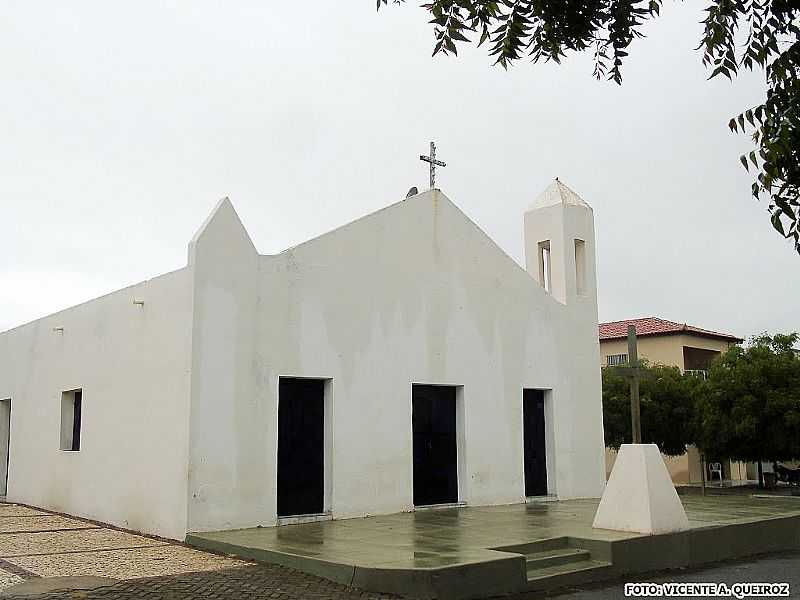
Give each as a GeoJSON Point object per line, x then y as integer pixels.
{"type": "Point", "coordinates": [433, 163]}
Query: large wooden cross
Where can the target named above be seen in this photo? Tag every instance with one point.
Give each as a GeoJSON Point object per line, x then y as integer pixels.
{"type": "Point", "coordinates": [433, 162]}
{"type": "Point", "coordinates": [634, 374]}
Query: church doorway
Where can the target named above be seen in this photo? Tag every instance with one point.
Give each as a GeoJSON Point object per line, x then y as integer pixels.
{"type": "Point", "coordinates": [435, 444]}
{"type": "Point", "coordinates": [534, 443]}
{"type": "Point", "coordinates": [301, 446]}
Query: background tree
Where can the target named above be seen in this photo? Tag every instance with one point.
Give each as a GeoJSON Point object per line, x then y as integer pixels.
{"type": "Point", "coordinates": [749, 408]}
{"type": "Point", "coordinates": [767, 33]}
{"type": "Point", "coordinates": [667, 407]}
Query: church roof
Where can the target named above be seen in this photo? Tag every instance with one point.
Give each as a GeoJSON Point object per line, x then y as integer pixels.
{"type": "Point", "coordinates": [558, 193]}
{"type": "Point", "coordinates": [656, 326]}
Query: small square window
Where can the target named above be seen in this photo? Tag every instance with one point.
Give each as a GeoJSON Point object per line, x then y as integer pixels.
{"type": "Point", "coordinates": [71, 420]}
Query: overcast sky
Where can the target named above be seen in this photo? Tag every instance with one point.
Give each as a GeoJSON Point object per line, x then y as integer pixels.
{"type": "Point", "coordinates": [123, 124]}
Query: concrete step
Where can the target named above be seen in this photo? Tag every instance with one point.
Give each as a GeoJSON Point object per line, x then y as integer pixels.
{"type": "Point", "coordinates": [568, 574]}
{"type": "Point", "coordinates": [555, 556]}
{"type": "Point", "coordinates": [534, 547]}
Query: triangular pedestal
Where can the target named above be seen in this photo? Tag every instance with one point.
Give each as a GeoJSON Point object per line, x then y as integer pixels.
{"type": "Point", "coordinates": [640, 495]}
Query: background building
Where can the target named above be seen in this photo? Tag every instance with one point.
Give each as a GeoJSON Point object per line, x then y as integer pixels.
{"type": "Point", "coordinates": [691, 349]}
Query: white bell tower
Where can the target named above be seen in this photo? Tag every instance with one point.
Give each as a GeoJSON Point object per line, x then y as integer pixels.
{"type": "Point", "coordinates": [559, 245]}
{"type": "Point", "coordinates": [560, 256]}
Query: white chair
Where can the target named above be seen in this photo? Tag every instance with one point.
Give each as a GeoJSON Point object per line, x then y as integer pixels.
{"type": "Point", "coordinates": [715, 467]}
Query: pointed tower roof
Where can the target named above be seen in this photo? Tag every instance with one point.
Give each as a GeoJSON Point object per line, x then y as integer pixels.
{"type": "Point", "coordinates": [558, 193]}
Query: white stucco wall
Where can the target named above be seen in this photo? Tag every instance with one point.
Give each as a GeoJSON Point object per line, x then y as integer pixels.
{"type": "Point", "coordinates": [132, 363]}
{"type": "Point", "coordinates": [413, 293]}
{"type": "Point", "coordinates": [179, 423]}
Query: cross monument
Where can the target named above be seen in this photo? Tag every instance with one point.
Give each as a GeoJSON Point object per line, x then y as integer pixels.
{"type": "Point", "coordinates": [634, 374]}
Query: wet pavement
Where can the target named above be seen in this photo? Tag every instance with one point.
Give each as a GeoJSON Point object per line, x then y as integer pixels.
{"type": "Point", "coordinates": [444, 537]}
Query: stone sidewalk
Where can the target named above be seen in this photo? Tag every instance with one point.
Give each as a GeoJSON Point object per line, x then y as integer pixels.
{"type": "Point", "coordinates": [36, 545]}
{"type": "Point", "coordinates": [242, 583]}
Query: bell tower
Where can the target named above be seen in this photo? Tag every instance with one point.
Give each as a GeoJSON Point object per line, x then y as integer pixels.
{"type": "Point", "coordinates": [560, 256]}
{"type": "Point", "coordinates": [559, 246]}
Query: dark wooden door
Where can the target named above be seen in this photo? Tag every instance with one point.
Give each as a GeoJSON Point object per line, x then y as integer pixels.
{"type": "Point", "coordinates": [301, 446]}
{"type": "Point", "coordinates": [534, 443]}
{"type": "Point", "coordinates": [435, 450]}
{"type": "Point", "coordinates": [5, 444]}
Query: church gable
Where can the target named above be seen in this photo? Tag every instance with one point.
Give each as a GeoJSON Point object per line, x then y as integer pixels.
{"type": "Point", "coordinates": [422, 236]}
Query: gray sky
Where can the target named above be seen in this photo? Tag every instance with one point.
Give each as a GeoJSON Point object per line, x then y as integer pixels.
{"type": "Point", "coordinates": [122, 124]}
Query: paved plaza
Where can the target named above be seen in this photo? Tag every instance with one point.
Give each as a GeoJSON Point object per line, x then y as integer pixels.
{"type": "Point", "coordinates": [37, 546]}
{"type": "Point", "coordinates": [444, 537]}
{"type": "Point", "coordinates": [467, 552]}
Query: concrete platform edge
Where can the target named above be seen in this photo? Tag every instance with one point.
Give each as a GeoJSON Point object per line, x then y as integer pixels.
{"type": "Point", "coordinates": [459, 582]}
{"type": "Point", "coordinates": [692, 548]}
{"type": "Point", "coordinates": [338, 572]}
{"type": "Point", "coordinates": [695, 547]}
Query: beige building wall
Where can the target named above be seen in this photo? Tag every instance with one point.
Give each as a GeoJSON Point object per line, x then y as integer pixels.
{"type": "Point", "coordinates": [662, 349]}
{"type": "Point", "coordinates": [682, 469]}
{"type": "Point", "coordinates": [668, 350]}
{"type": "Point", "coordinates": [687, 468]}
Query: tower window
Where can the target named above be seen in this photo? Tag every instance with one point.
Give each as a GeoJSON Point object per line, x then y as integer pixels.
{"type": "Point", "coordinates": [544, 265]}
{"type": "Point", "coordinates": [580, 267]}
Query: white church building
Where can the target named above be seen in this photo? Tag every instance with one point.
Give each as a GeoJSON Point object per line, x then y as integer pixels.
{"type": "Point", "coordinates": [400, 361]}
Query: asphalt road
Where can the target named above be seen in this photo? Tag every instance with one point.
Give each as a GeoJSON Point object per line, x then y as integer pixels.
{"type": "Point", "coordinates": [767, 569]}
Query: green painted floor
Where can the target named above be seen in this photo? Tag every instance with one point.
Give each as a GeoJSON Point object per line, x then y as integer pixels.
{"type": "Point", "coordinates": [436, 538]}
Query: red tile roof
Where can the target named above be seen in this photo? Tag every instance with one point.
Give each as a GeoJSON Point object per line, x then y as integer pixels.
{"type": "Point", "coordinates": [656, 326]}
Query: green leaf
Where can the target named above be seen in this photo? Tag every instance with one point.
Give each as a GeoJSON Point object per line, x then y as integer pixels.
{"type": "Point", "coordinates": [777, 224]}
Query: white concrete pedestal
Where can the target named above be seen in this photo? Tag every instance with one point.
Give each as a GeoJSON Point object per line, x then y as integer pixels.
{"type": "Point", "coordinates": [640, 495]}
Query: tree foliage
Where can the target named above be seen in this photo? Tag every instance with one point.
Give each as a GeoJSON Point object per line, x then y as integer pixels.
{"type": "Point", "coordinates": [666, 400]}
{"type": "Point", "coordinates": [749, 408]}
{"type": "Point", "coordinates": [545, 30]}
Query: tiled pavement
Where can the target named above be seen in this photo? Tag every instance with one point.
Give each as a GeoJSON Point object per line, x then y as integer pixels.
{"type": "Point", "coordinates": [244, 583]}
{"type": "Point", "coordinates": [35, 543]}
